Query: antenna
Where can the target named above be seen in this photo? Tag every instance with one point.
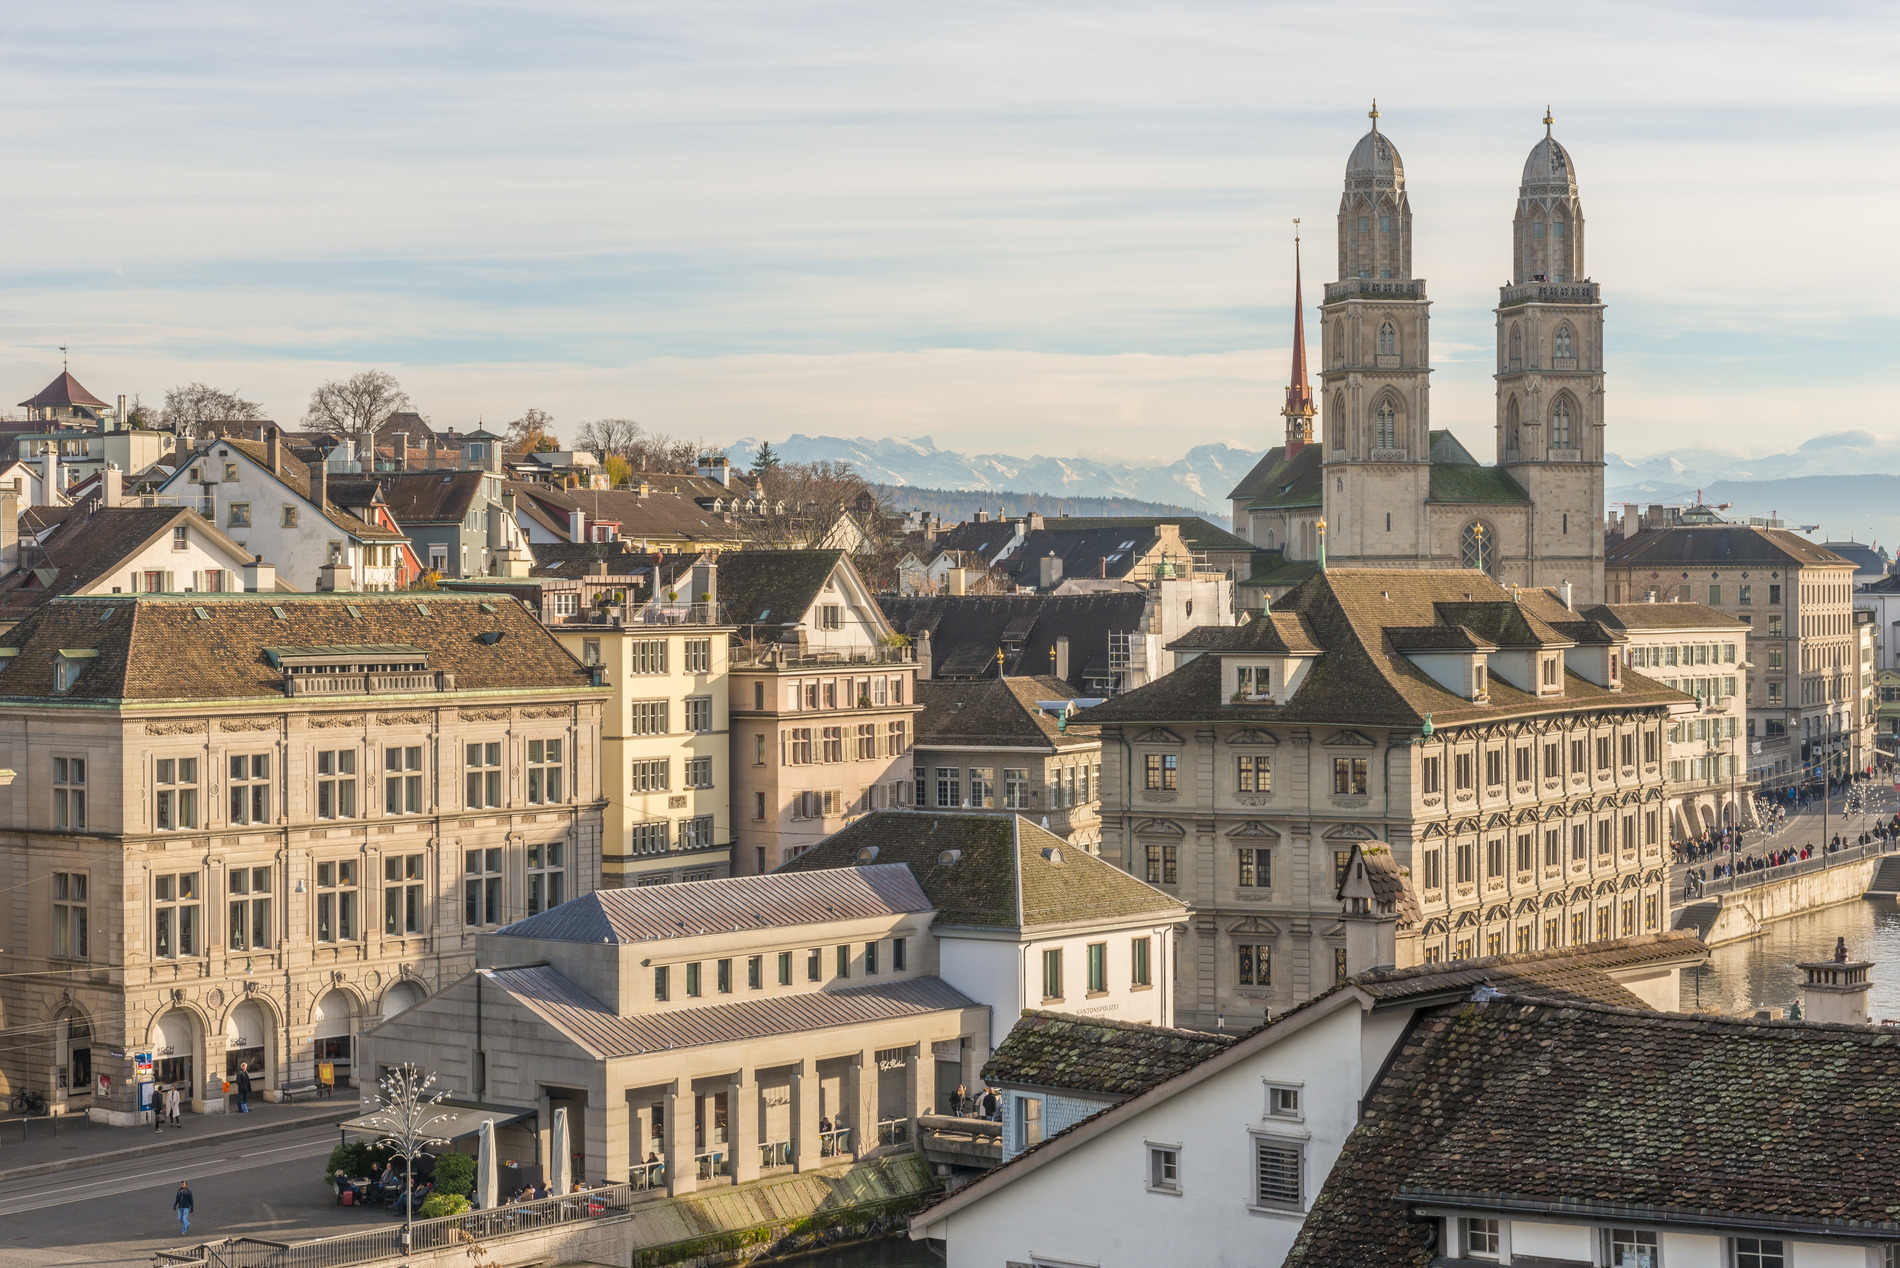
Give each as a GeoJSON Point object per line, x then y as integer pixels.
{"type": "Point", "coordinates": [62, 358]}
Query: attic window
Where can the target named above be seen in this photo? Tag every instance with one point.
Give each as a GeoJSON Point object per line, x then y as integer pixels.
{"type": "Point", "coordinates": [106, 615]}
{"type": "Point", "coordinates": [355, 613]}
{"type": "Point", "coordinates": [488, 638]}
{"type": "Point", "coordinates": [1129, 545]}
{"type": "Point", "coordinates": [422, 609]}
{"type": "Point", "coordinates": [201, 614]}
{"type": "Point", "coordinates": [948, 857]}
{"type": "Point", "coordinates": [6, 657]}
{"type": "Point", "coordinates": [277, 612]}
{"type": "Point", "coordinates": [1053, 854]}
{"type": "Point", "coordinates": [488, 608]}
{"type": "Point", "coordinates": [867, 853]}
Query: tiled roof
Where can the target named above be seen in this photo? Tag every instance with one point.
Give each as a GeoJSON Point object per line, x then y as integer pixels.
{"type": "Point", "coordinates": [1642, 1116]}
{"type": "Point", "coordinates": [211, 646]}
{"type": "Point", "coordinates": [1455, 482]}
{"type": "Point", "coordinates": [1663, 616]}
{"type": "Point", "coordinates": [1390, 882]}
{"type": "Point", "coordinates": [64, 390]}
{"type": "Point", "coordinates": [1096, 1054]}
{"type": "Point", "coordinates": [1084, 552]}
{"type": "Point", "coordinates": [1276, 483]}
{"type": "Point", "coordinates": [605, 1034]}
{"type": "Point", "coordinates": [1580, 975]}
{"type": "Point", "coordinates": [1272, 568]}
{"type": "Point", "coordinates": [689, 909]}
{"type": "Point", "coordinates": [662, 513]}
{"type": "Point", "coordinates": [989, 711]}
{"type": "Point", "coordinates": [1197, 532]}
{"type": "Point", "coordinates": [295, 476]}
{"type": "Point", "coordinates": [1361, 676]}
{"type": "Point", "coordinates": [994, 871]}
{"type": "Point", "coordinates": [968, 630]}
{"type": "Point", "coordinates": [986, 539]}
{"type": "Point", "coordinates": [773, 589]}
{"type": "Point", "coordinates": [576, 559]}
{"type": "Point", "coordinates": [1719, 546]}
{"type": "Point", "coordinates": [429, 497]}
{"type": "Point", "coordinates": [86, 547]}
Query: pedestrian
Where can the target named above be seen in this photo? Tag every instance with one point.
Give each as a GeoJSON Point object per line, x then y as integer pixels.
{"type": "Point", "coordinates": [182, 1203]}
{"type": "Point", "coordinates": [171, 1104]}
{"type": "Point", "coordinates": [158, 1108]}
{"type": "Point", "coordinates": [960, 1100]}
{"type": "Point", "coordinates": [244, 1087]}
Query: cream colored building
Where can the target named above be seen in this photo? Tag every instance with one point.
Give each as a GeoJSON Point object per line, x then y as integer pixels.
{"type": "Point", "coordinates": [1483, 751]}
{"type": "Point", "coordinates": [1004, 746]}
{"type": "Point", "coordinates": [246, 824]}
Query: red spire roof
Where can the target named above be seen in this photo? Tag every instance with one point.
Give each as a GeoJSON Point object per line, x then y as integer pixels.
{"type": "Point", "coordinates": [1299, 397]}
{"type": "Point", "coordinates": [64, 390]}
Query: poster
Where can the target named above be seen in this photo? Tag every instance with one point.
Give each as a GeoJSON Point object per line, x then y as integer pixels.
{"type": "Point", "coordinates": [102, 1085]}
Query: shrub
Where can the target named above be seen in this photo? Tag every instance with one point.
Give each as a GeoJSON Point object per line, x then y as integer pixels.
{"type": "Point", "coordinates": [440, 1204]}
{"type": "Point", "coordinates": [354, 1159]}
{"type": "Point", "coordinates": [455, 1173]}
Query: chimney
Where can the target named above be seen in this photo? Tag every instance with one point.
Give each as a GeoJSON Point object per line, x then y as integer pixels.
{"type": "Point", "coordinates": [1033, 521]}
{"type": "Point", "coordinates": [111, 486]}
{"type": "Point", "coordinates": [274, 451]}
{"type": "Point", "coordinates": [1062, 656]}
{"type": "Point", "coordinates": [433, 446]}
{"type": "Point", "coordinates": [577, 525]}
{"type": "Point", "coordinates": [1836, 990]}
{"type": "Point", "coordinates": [1655, 517]}
{"type": "Point", "coordinates": [49, 473]}
{"type": "Point", "coordinates": [402, 451]}
{"type": "Point", "coordinates": [955, 581]}
{"type": "Point", "coordinates": [1050, 571]}
{"type": "Point", "coordinates": [119, 418]}
{"type": "Point", "coordinates": [259, 577]}
{"type": "Point", "coordinates": [1567, 597]}
{"type": "Point", "coordinates": [335, 576]}
{"type": "Point", "coordinates": [716, 467]}
{"type": "Point", "coordinates": [924, 664]}
{"type": "Point", "coordinates": [645, 489]}
{"type": "Point", "coordinates": [982, 516]}
{"type": "Point", "coordinates": [320, 483]}
{"type": "Point", "coordinates": [9, 532]}
{"type": "Point", "coordinates": [366, 456]}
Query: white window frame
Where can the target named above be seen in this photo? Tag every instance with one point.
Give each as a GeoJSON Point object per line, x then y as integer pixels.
{"type": "Point", "coordinates": [1256, 1140]}
{"type": "Point", "coordinates": [1149, 1159]}
{"type": "Point", "coordinates": [1279, 1088]}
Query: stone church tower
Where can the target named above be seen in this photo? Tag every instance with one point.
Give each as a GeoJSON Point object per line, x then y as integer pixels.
{"type": "Point", "coordinates": [1550, 375]}
{"type": "Point", "coordinates": [1375, 370]}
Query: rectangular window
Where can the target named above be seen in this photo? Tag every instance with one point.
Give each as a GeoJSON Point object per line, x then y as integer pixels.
{"type": "Point", "coordinates": [1522, 757]}
{"type": "Point", "coordinates": [785, 968]}
{"type": "Point", "coordinates": [692, 980]}
{"type": "Point", "coordinates": [843, 957]}
{"type": "Point", "coordinates": [894, 742]}
{"type": "Point", "coordinates": [240, 516]}
{"type": "Point", "coordinates": [661, 982]}
{"type": "Point", "coordinates": [175, 792]}
{"type": "Point", "coordinates": [900, 954]}
{"type": "Point", "coordinates": [336, 784]}
{"type": "Point", "coordinates": [547, 873]}
{"type": "Point", "coordinates": [1579, 842]}
{"type": "Point", "coordinates": [1277, 1172]}
{"type": "Point", "coordinates": [1097, 965]}
{"type": "Point", "coordinates": [1349, 776]}
{"type": "Point", "coordinates": [696, 833]}
{"type": "Point", "coordinates": [949, 786]}
{"type": "Point", "coordinates": [1494, 857]}
{"type": "Point", "coordinates": [1253, 773]}
{"type": "Point", "coordinates": [1760, 1252]}
{"type": "Point", "coordinates": [1430, 778]}
{"type": "Point", "coordinates": [1433, 879]}
{"type": "Point", "coordinates": [481, 887]}
{"type": "Point", "coordinates": [546, 771]}
{"type": "Point", "coordinates": [1052, 974]}
{"type": "Point", "coordinates": [336, 901]}
{"type": "Point", "coordinates": [755, 972]}
{"type": "Point", "coordinates": [814, 970]}
{"type": "Point", "coordinates": [1481, 1238]}
{"type": "Point", "coordinates": [1493, 767]}
{"type": "Point", "coordinates": [1163, 864]}
{"type": "Point", "coordinates": [1553, 847]}
{"type": "Point", "coordinates": [699, 772]}
{"type": "Point", "coordinates": [867, 741]}
{"type": "Point", "coordinates": [1253, 964]}
{"type": "Point", "coordinates": [1631, 1248]}
{"type": "Point", "coordinates": [646, 656]}
{"type": "Point", "coordinates": [1603, 753]}
{"type": "Point", "coordinates": [482, 775]}
{"type": "Point", "coordinates": [1715, 596]}
{"type": "Point", "coordinates": [1256, 867]}
{"type": "Point", "coordinates": [175, 915]}
{"type": "Point", "coordinates": [249, 787]}
{"type": "Point", "coordinates": [870, 959]}
{"type": "Point", "coordinates": [1163, 771]}
{"type": "Point", "coordinates": [1526, 853]}
{"type": "Point", "coordinates": [248, 891]}
{"type": "Point", "coordinates": [402, 894]}
{"type": "Point", "coordinates": [1028, 1121]}
{"type": "Point", "coordinates": [722, 975]}
{"type": "Point", "coordinates": [650, 775]}
{"type": "Point", "coordinates": [1465, 869]}
{"type": "Point", "coordinates": [1164, 1169]}
{"type": "Point", "coordinates": [402, 780]}
{"type": "Point", "coordinates": [1605, 841]}
{"type": "Point", "coordinates": [70, 915]}
{"type": "Point", "coordinates": [1461, 772]}
{"type": "Point", "coordinates": [1579, 757]}
{"type": "Point", "coordinates": [982, 788]}
{"type": "Point", "coordinates": [699, 656]}
{"type": "Point", "coordinates": [648, 717]}
{"type": "Point", "coordinates": [699, 714]}
{"type": "Point", "coordinates": [1015, 788]}
{"type": "Point", "coordinates": [1141, 972]}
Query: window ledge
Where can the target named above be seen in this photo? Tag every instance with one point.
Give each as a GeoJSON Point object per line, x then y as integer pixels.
{"type": "Point", "coordinates": [1146, 986]}
{"type": "Point", "coordinates": [1166, 1193]}
{"type": "Point", "coordinates": [1096, 995]}
{"type": "Point", "coordinates": [1291, 1212]}
{"type": "Point", "coordinates": [1052, 999]}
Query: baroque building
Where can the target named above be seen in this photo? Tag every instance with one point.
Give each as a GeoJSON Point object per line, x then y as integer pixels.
{"type": "Point", "coordinates": [1380, 487]}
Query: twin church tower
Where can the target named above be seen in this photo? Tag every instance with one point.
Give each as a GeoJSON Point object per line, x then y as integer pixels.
{"type": "Point", "coordinates": [1391, 491]}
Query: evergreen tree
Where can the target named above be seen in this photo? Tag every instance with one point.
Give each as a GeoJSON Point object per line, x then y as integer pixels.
{"type": "Point", "coordinates": [766, 461]}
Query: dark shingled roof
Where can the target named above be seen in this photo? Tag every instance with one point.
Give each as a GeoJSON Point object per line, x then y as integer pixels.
{"type": "Point", "coordinates": [990, 711]}
{"type": "Point", "coordinates": [1096, 1054]}
{"type": "Point", "coordinates": [1275, 483]}
{"type": "Point", "coordinates": [1719, 546]}
{"type": "Point", "coordinates": [1084, 552]}
{"type": "Point", "coordinates": [773, 589]}
{"type": "Point", "coordinates": [1363, 678]}
{"type": "Point", "coordinates": [986, 540]}
{"type": "Point", "coordinates": [85, 548]}
{"type": "Point", "coordinates": [429, 497]}
{"type": "Point", "coordinates": [160, 648]}
{"type": "Point", "coordinates": [996, 871]}
{"type": "Point", "coordinates": [1455, 482]}
{"type": "Point", "coordinates": [662, 513]}
{"type": "Point", "coordinates": [1579, 975]}
{"type": "Point", "coordinates": [966, 631]}
{"type": "Point", "coordinates": [1642, 1116]}
{"type": "Point", "coordinates": [1662, 616]}
{"type": "Point", "coordinates": [1196, 532]}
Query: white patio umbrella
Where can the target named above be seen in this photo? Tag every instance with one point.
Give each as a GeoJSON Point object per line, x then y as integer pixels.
{"type": "Point", "coordinates": [561, 1165]}
{"type": "Point", "coordinates": [487, 1181]}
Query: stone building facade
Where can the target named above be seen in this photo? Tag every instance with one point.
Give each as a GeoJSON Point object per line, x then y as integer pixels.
{"type": "Point", "coordinates": [1484, 751]}
{"type": "Point", "coordinates": [246, 823]}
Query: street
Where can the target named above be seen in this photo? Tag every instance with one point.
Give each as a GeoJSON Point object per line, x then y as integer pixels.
{"type": "Point", "coordinates": [120, 1212]}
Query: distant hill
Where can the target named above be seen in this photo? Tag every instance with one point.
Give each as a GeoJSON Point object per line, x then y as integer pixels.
{"type": "Point", "coordinates": [957, 505]}
{"type": "Point", "coordinates": [1863, 508]}
{"type": "Point", "coordinates": [1199, 480]}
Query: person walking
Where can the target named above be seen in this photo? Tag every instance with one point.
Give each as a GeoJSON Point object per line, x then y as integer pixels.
{"type": "Point", "coordinates": [171, 1104]}
{"type": "Point", "coordinates": [182, 1202]}
{"type": "Point", "coordinates": [158, 1108]}
{"type": "Point", "coordinates": [244, 1087]}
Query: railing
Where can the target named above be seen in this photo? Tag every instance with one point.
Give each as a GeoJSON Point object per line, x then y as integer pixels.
{"type": "Point", "coordinates": [776, 656]}
{"type": "Point", "coordinates": [1374, 286]}
{"type": "Point", "coordinates": [835, 1143]}
{"type": "Point", "coordinates": [958, 1125]}
{"type": "Point", "coordinates": [893, 1131]}
{"type": "Point", "coordinates": [712, 1163]}
{"type": "Point", "coordinates": [1769, 875]}
{"type": "Point", "coordinates": [367, 684]}
{"type": "Point", "coordinates": [1548, 292]}
{"type": "Point", "coordinates": [667, 613]}
{"type": "Point", "coordinates": [775, 1153]}
{"type": "Point", "coordinates": [646, 1176]}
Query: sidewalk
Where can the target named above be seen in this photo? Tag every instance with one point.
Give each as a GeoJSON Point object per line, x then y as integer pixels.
{"type": "Point", "coordinates": [37, 1146]}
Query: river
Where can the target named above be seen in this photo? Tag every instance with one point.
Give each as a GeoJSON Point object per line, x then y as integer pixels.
{"type": "Point", "coordinates": [886, 1254]}
{"type": "Point", "coordinates": [1760, 973]}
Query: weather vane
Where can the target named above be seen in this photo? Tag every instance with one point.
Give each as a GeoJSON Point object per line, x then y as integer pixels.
{"type": "Point", "coordinates": [62, 356]}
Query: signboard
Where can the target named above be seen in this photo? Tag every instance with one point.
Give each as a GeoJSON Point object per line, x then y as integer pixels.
{"type": "Point", "coordinates": [102, 1086]}
{"type": "Point", "coordinates": [142, 1066]}
{"type": "Point", "coordinates": [326, 1073]}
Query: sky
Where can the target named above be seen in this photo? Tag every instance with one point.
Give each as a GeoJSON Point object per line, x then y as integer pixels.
{"type": "Point", "coordinates": [1052, 228]}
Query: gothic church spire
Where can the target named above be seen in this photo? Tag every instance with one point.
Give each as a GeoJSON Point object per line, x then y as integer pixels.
{"type": "Point", "coordinates": [1298, 410]}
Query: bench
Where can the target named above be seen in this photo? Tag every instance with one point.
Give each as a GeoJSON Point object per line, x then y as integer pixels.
{"type": "Point", "coordinates": [290, 1091]}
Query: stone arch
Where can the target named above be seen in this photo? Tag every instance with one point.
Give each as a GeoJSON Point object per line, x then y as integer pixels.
{"type": "Point", "coordinates": [334, 1018]}
{"type": "Point", "coordinates": [1270, 543]}
{"type": "Point", "coordinates": [1477, 547]}
{"type": "Point", "coordinates": [1339, 351]}
{"type": "Point", "coordinates": [177, 1038]}
{"type": "Point", "coordinates": [1511, 424]}
{"type": "Point", "coordinates": [1386, 421]}
{"type": "Point", "coordinates": [1566, 422]}
{"type": "Point", "coordinates": [249, 1030]}
{"type": "Point", "coordinates": [402, 995]}
{"type": "Point", "coordinates": [1388, 338]}
{"type": "Point", "coordinates": [1336, 423]}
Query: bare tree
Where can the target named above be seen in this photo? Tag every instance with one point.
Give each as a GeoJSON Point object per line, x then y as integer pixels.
{"type": "Point", "coordinates": [643, 451]}
{"type": "Point", "coordinates": [813, 505]}
{"type": "Point", "coordinates": [605, 436]}
{"type": "Point", "coordinates": [191, 406]}
{"type": "Point", "coordinates": [356, 406]}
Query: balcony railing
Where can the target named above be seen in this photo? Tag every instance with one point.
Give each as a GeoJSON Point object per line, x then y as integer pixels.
{"type": "Point", "coordinates": [835, 1143]}
{"type": "Point", "coordinates": [776, 656]}
{"type": "Point", "coordinates": [775, 1153]}
{"type": "Point", "coordinates": [893, 1131]}
{"type": "Point", "coordinates": [1546, 293]}
{"type": "Point", "coordinates": [647, 1175]}
{"type": "Point", "coordinates": [368, 684]}
{"type": "Point", "coordinates": [1408, 286]}
{"type": "Point", "coordinates": [713, 1162]}
{"type": "Point", "coordinates": [648, 614]}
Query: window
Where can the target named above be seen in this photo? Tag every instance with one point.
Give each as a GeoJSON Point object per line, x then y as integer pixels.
{"type": "Point", "coordinates": [1253, 774]}
{"type": "Point", "coordinates": [1553, 847]}
{"type": "Point", "coordinates": [1433, 879]}
{"type": "Point", "coordinates": [1465, 869]}
{"type": "Point", "coordinates": [181, 539]}
{"type": "Point", "coordinates": [1256, 867]}
{"type": "Point", "coordinates": [481, 887]}
{"type": "Point", "coordinates": [1526, 859]}
{"type": "Point", "coordinates": [870, 959]}
{"type": "Point", "coordinates": [813, 969]}
{"type": "Point", "coordinates": [1015, 788]}
{"type": "Point", "coordinates": [590, 650]}
{"type": "Point", "coordinates": [1562, 341]}
{"type": "Point", "coordinates": [175, 796]}
{"type": "Point", "coordinates": [1141, 971]}
{"type": "Point", "coordinates": [336, 784]}
{"type": "Point", "coordinates": [1627, 749]}
{"type": "Point", "coordinates": [722, 976]}
{"type": "Point", "coordinates": [544, 771]}
{"type": "Point", "coordinates": [69, 793]}
{"type": "Point", "coordinates": [402, 894]}
{"type": "Point", "coordinates": [949, 786]}
{"type": "Point", "coordinates": [1254, 681]}
{"type": "Point", "coordinates": [867, 741]}
{"type": "Point", "coordinates": [1560, 424]}
{"type": "Point", "coordinates": [699, 772]}
{"type": "Point", "coordinates": [1388, 433]}
{"type": "Point", "coordinates": [1603, 752]}
{"type": "Point", "coordinates": [646, 656]}
{"type": "Point", "coordinates": [661, 982]}
{"type": "Point", "coordinates": [650, 775]}
{"type": "Point", "coordinates": [230, 471]}
{"type": "Point", "coordinates": [982, 787]}
{"type": "Point", "coordinates": [1493, 767]}
{"type": "Point", "coordinates": [546, 871]}
{"type": "Point", "coordinates": [1283, 1101]}
{"type": "Point", "coordinates": [1631, 1248]}
{"type": "Point", "coordinates": [402, 780]}
{"type": "Point", "coordinates": [1461, 771]}
{"type": "Point", "coordinates": [696, 833]}
{"type": "Point", "coordinates": [1097, 966]}
{"type": "Point", "coordinates": [482, 775]}
{"type": "Point", "coordinates": [290, 516]}
{"type": "Point", "coordinates": [1163, 864]}
{"type": "Point", "coordinates": [1349, 776]}
{"type": "Point", "coordinates": [895, 745]}
{"type": "Point", "coordinates": [699, 714]}
{"type": "Point", "coordinates": [830, 616]}
{"type": "Point", "coordinates": [843, 956]}
{"type": "Point", "coordinates": [1164, 1165]}
{"type": "Point", "coordinates": [1253, 964]}
{"type": "Point", "coordinates": [1052, 974]}
{"type": "Point", "coordinates": [900, 954]}
{"type": "Point", "coordinates": [336, 901]}
{"type": "Point", "coordinates": [1277, 1168]}
{"type": "Point", "coordinates": [699, 656]}
{"type": "Point", "coordinates": [1494, 857]}
{"type": "Point", "coordinates": [692, 980]}
{"type": "Point", "coordinates": [1163, 772]}
{"type": "Point", "coordinates": [250, 787]}
{"type": "Point", "coordinates": [1758, 1252]}
{"type": "Point", "coordinates": [1481, 1238]}
{"type": "Point", "coordinates": [1028, 1121]}
{"type": "Point", "coordinates": [70, 915]}
{"type": "Point", "coordinates": [1430, 779]}
{"type": "Point", "coordinates": [175, 915]}
{"type": "Point", "coordinates": [648, 717]}
{"type": "Point", "coordinates": [240, 516]}
{"type": "Point", "coordinates": [248, 890]}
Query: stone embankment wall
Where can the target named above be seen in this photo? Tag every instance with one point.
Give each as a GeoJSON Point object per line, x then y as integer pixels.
{"type": "Point", "coordinates": [1746, 912]}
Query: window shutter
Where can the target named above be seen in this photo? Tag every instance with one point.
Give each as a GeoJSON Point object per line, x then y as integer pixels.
{"type": "Point", "coordinates": [171, 585]}
{"type": "Point", "coordinates": [1276, 1174]}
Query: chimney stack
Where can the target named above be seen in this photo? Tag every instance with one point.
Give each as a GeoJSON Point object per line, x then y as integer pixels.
{"type": "Point", "coordinates": [924, 665]}
{"type": "Point", "coordinates": [402, 451]}
{"type": "Point", "coordinates": [1050, 571]}
{"type": "Point", "coordinates": [9, 532]}
{"type": "Point", "coordinates": [433, 447]}
{"type": "Point", "coordinates": [274, 451]}
{"type": "Point", "coordinates": [111, 486]}
{"type": "Point", "coordinates": [1567, 597]}
{"type": "Point", "coordinates": [119, 418]}
{"type": "Point", "coordinates": [1062, 656]}
{"type": "Point", "coordinates": [320, 483]}
{"type": "Point", "coordinates": [1836, 990]}
{"type": "Point", "coordinates": [49, 474]}
{"type": "Point", "coordinates": [260, 577]}
{"type": "Point", "coordinates": [577, 525]}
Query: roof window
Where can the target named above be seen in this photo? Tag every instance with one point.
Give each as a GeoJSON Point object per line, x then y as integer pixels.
{"type": "Point", "coordinates": [867, 853]}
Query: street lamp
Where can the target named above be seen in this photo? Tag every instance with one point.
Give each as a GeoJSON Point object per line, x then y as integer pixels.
{"type": "Point", "coordinates": [406, 1110]}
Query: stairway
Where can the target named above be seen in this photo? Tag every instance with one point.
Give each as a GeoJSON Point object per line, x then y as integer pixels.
{"type": "Point", "coordinates": [1699, 918]}
{"type": "Point", "coordinates": [1886, 879]}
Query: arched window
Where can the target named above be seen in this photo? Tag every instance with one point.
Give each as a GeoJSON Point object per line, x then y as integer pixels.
{"type": "Point", "coordinates": [1510, 439]}
{"type": "Point", "coordinates": [1517, 346]}
{"type": "Point", "coordinates": [1271, 543]}
{"type": "Point", "coordinates": [1339, 343]}
{"type": "Point", "coordinates": [1386, 436]}
{"type": "Point", "coordinates": [1560, 424]}
{"type": "Point", "coordinates": [1476, 547]}
{"type": "Point", "coordinates": [1336, 424]}
{"type": "Point", "coordinates": [1563, 342]}
{"type": "Point", "coordinates": [1388, 341]}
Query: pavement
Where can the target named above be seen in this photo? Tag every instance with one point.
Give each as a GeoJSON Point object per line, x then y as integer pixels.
{"type": "Point", "coordinates": [46, 1145]}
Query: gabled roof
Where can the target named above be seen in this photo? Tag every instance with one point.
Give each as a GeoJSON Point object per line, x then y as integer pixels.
{"type": "Point", "coordinates": [983, 712]}
{"type": "Point", "coordinates": [662, 513]}
{"type": "Point", "coordinates": [1597, 1113]}
{"type": "Point", "coordinates": [1084, 552]}
{"type": "Point", "coordinates": [1663, 616]}
{"type": "Point", "coordinates": [1280, 633]}
{"type": "Point", "coordinates": [1196, 532]}
{"type": "Point", "coordinates": [990, 871]}
{"type": "Point", "coordinates": [295, 476]}
{"type": "Point", "coordinates": [64, 390]}
{"type": "Point", "coordinates": [1461, 483]}
{"type": "Point", "coordinates": [1277, 482]}
{"type": "Point", "coordinates": [430, 497]}
{"type": "Point", "coordinates": [966, 631]}
{"type": "Point", "coordinates": [774, 588]}
{"type": "Point", "coordinates": [1097, 1055]}
{"type": "Point", "coordinates": [689, 909]}
{"type": "Point", "coordinates": [85, 547]}
{"type": "Point", "coordinates": [1720, 546]}
{"type": "Point", "coordinates": [1580, 975]}
{"type": "Point", "coordinates": [986, 539]}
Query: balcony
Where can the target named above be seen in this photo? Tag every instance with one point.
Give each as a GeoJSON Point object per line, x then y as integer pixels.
{"type": "Point", "coordinates": [1376, 288]}
{"type": "Point", "coordinates": [396, 684]}
{"type": "Point", "coordinates": [783, 656]}
{"type": "Point", "coordinates": [658, 613]}
{"type": "Point", "coordinates": [1543, 293]}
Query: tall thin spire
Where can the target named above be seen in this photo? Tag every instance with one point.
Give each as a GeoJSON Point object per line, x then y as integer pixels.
{"type": "Point", "coordinates": [1298, 411]}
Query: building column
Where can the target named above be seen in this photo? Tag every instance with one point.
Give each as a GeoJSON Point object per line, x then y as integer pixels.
{"type": "Point", "coordinates": [920, 1083]}
{"type": "Point", "coordinates": [682, 1171]}
{"type": "Point", "coordinates": [544, 1136]}
{"type": "Point", "coordinates": [970, 1060]}
{"type": "Point", "coordinates": [864, 1102]}
{"type": "Point", "coordinates": [742, 1126]}
{"type": "Point", "coordinates": [805, 1142]}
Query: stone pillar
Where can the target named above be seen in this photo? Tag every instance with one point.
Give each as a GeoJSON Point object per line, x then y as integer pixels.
{"type": "Point", "coordinates": [610, 1154]}
{"type": "Point", "coordinates": [971, 1061]}
{"type": "Point", "coordinates": [805, 1156]}
{"type": "Point", "coordinates": [742, 1126]}
{"type": "Point", "coordinates": [920, 1084]}
{"type": "Point", "coordinates": [544, 1136]}
{"type": "Point", "coordinates": [861, 1096]}
{"type": "Point", "coordinates": [682, 1171]}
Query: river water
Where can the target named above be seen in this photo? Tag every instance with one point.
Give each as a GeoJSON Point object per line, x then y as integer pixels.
{"type": "Point", "coordinates": [885, 1254]}
{"type": "Point", "coordinates": [1745, 976]}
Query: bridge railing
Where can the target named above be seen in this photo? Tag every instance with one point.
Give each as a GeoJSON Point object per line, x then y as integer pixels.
{"type": "Point", "coordinates": [1682, 892]}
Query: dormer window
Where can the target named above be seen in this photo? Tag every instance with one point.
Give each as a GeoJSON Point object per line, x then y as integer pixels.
{"type": "Point", "coordinates": [1478, 688]}
{"type": "Point", "coordinates": [69, 665]}
{"type": "Point", "coordinates": [1253, 682]}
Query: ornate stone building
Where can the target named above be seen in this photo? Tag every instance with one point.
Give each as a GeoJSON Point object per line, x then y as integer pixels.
{"type": "Point", "coordinates": [1381, 487]}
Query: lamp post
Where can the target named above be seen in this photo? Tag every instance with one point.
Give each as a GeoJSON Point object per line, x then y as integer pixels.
{"type": "Point", "coordinates": [406, 1109]}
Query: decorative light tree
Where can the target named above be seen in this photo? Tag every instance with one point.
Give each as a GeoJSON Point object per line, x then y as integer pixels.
{"type": "Point", "coordinates": [405, 1111]}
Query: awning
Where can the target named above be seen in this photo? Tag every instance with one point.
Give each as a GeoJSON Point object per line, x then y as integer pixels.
{"type": "Point", "coordinates": [456, 1122]}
